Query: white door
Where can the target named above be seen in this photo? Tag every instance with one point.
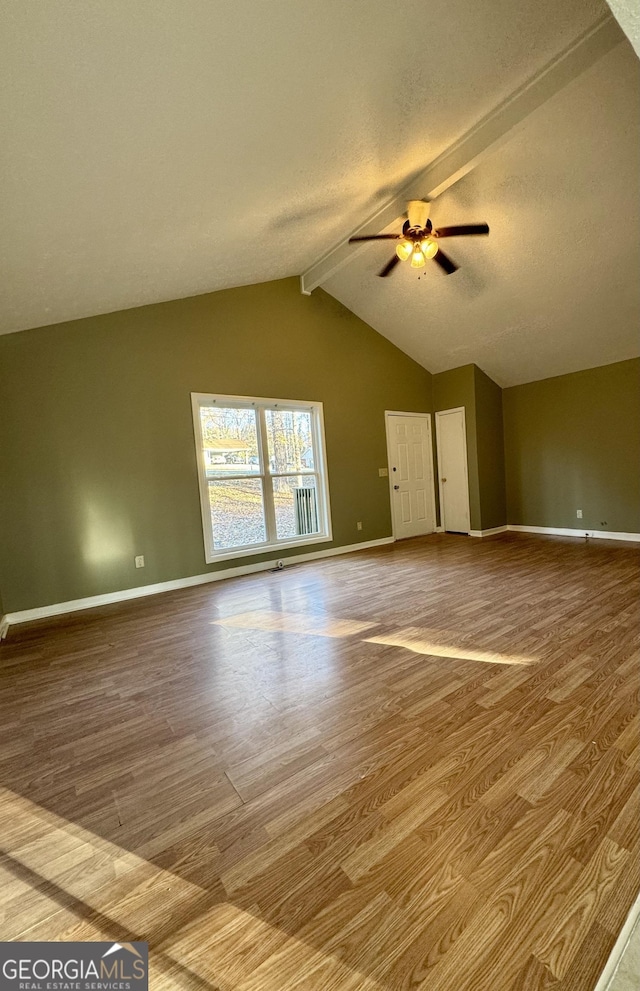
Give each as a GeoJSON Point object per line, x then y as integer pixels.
{"type": "Point", "coordinates": [411, 474]}
{"type": "Point", "coordinates": [451, 438]}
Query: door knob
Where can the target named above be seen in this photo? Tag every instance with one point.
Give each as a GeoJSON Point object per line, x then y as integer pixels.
{"type": "Point", "coordinates": [396, 486]}
{"type": "Point", "coordinates": [444, 479]}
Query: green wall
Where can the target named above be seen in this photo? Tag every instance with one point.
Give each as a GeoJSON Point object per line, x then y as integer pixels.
{"type": "Point", "coordinates": [573, 442]}
{"type": "Point", "coordinates": [490, 451]}
{"type": "Point", "coordinates": [96, 434]}
{"type": "Point", "coordinates": [470, 387]}
{"type": "Point", "coordinates": [98, 460]}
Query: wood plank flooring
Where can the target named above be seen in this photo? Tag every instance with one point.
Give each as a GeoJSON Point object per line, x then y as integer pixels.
{"type": "Point", "coordinates": [414, 767]}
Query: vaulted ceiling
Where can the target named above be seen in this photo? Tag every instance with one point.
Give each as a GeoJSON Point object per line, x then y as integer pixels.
{"type": "Point", "coordinates": [158, 150]}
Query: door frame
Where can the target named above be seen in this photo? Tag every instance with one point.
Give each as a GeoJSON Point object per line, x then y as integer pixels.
{"type": "Point", "coordinates": [444, 412]}
{"type": "Point", "coordinates": [427, 417]}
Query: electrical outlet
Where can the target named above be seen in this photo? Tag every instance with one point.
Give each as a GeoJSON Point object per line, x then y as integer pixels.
{"type": "Point", "coordinates": [139, 560]}
{"type": "Point", "coordinates": [579, 513]}
{"type": "Point", "coordinates": [383, 472]}
{"type": "Point", "coordinates": [358, 525]}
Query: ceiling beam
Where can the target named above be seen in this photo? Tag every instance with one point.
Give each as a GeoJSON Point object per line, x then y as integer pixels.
{"type": "Point", "coordinates": [482, 140]}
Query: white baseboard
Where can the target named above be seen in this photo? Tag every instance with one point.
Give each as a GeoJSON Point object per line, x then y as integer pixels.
{"type": "Point", "coordinates": [489, 532]}
{"type": "Point", "coordinates": [559, 531]}
{"type": "Point", "coordinates": [91, 601]}
{"type": "Point", "coordinates": [622, 942]}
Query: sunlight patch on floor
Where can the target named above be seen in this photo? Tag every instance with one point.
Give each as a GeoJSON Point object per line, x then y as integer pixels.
{"type": "Point", "coordinates": [286, 622]}
{"type": "Point", "coordinates": [236, 949]}
{"type": "Point", "coordinates": [86, 867]}
{"type": "Point", "coordinates": [98, 890]}
{"type": "Point", "coordinates": [413, 638]}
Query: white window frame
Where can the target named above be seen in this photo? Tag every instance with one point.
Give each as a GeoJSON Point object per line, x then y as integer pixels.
{"type": "Point", "coordinates": [273, 542]}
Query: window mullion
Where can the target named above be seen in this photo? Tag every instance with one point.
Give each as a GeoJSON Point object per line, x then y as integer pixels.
{"type": "Point", "coordinates": [267, 484]}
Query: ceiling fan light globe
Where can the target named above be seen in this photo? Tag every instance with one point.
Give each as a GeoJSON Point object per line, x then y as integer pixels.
{"type": "Point", "coordinates": [429, 247]}
{"type": "Point", "coordinates": [403, 250]}
{"type": "Point", "coordinates": [417, 258]}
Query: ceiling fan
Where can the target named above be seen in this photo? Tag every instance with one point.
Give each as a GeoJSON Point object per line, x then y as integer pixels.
{"type": "Point", "coordinates": [419, 240]}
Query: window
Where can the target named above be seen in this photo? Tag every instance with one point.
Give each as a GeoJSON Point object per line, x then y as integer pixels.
{"type": "Point", "coordinates": [262, 474]}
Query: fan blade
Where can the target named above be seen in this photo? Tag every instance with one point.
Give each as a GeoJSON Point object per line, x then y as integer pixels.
{"type": "Point", "coordinates": [389, 267]}
{"type": "Point", "coordinates": [418, 213]}
{"type": "Point", "coordinates": [376, 237]}
{"type": "Point", "coordinates": [445, 263]}
{"type": "Point", "coordinates": [462, 229]}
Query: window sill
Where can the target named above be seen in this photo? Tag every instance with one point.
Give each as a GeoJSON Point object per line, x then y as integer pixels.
{"type": "Point", "coordinates": [231, 555]}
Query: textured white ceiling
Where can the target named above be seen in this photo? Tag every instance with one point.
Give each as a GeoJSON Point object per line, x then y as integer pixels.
{"type": "Point", "coordinates": [149, 147]}
{"type": "Point", "coordinates": [555, 287]}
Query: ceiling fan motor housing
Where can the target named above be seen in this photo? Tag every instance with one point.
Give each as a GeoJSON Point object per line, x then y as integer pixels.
{"type": "Point", "coordinates": [418, 240]}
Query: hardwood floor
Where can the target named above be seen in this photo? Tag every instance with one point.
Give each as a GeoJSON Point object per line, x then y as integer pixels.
{"type": "Point", "coordinates": [414, 767]}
